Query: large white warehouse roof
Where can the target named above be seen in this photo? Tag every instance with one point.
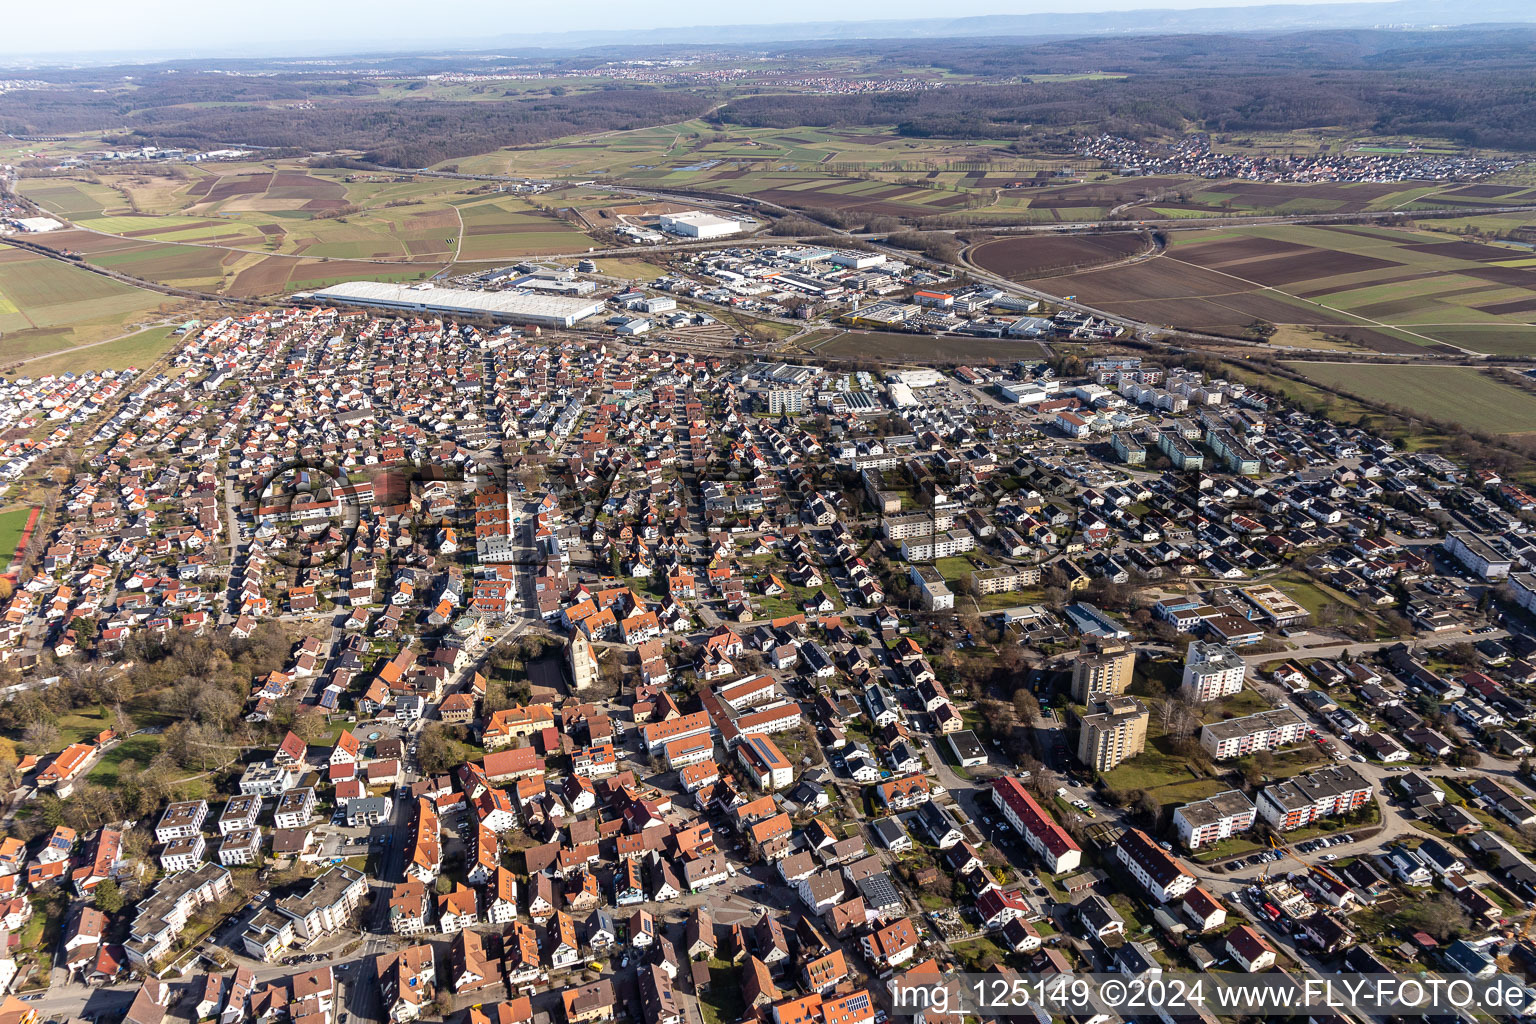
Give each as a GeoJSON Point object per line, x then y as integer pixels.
{"type": "Point", "coordinates": [554, 310]}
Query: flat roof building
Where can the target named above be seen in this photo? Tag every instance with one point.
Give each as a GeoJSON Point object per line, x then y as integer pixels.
{"type": "Point", "coordinates": [1267, 730]}
{"type": "Point", "coordinates": [523, 307]}
{"type": "Point", "coordinates": [697, 224]}
{"type": "Point", "coordinates": [1214, 818]}
{"type": "Point", "coordinates": [1116, 731]}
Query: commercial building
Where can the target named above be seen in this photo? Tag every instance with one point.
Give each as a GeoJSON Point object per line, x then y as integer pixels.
{"type": "Point", "coordinates": [1298, 802]}
{"type": "Point", "coordinates": [1117, 730]}
{"type": "Point", "coordinates": [1275, 605]}
{"type": "Point", "coordinates": [1267, 730]}
{"type": "Point", "coordinates": [1039, 829]}
{"type": "Point", "coordinates": [1102, 667]}
{"type": "Point", "coordinates": [697, 224]}
{"type": "Point", "coordinates": [1211, 672]}
{"type": "Point", "coordinates": [1213, 819]}
{"type": "Point", "coordinates": [522, 307]}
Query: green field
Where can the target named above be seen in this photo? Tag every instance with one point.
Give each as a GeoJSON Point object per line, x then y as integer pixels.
{"type": "Point", "coordinates": [47, 305]}
{"type": "Point", "coordinates": [1457, 394]}
{"type": "Point", "coordinates": [11, 525]}
{"type": "Point", "coordinates": [137, 351]}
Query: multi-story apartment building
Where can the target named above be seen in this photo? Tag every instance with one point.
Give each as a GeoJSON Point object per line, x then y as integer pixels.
{"type": "Point", "coordinates": [658, 734]}
{"type": "Point", "coordinates": [1115, 731]}
{"type": "Point", "coordinates": [1005, 579]}
{"type": "Point", "coordinates": [240, 814]}
{"type": "Point", "coordinates": [1211, 672]}
{"type": "Point", "coordinates": [1299, 801]}
{"type": "Point", "coordinates": [927, 547]}
{"type": "Point", "coordinates": [181, 820]}
{"type": "Point", "coordinates": [162, 915]}
{"type": "Point", "coordinates": [1267, 730]}
{"type": "Point", "coordinates": [1039, 830]}
{"type": "Point", "coordinates": [295, 808]}
{"type": "Point", "coordinates": [183, 854]}
{"type": "Point", "coordinates": [1213, 819]}
{"type": "Point", "coordinates": [1158, 871]}
{"type": "Point", "coordinates": [918, 524]}
{"type": "Point", "coordinates": [323, 909]}
{"type": "Point", "coordinates": [1103, 667]}
{"type": "Point", "coordinates": [241, 847]}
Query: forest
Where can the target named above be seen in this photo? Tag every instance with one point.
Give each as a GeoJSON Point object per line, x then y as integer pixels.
{"type": "Point", "coordinates": [1473, 86]}
{"type": "Point", "coordinates": [324, 113]}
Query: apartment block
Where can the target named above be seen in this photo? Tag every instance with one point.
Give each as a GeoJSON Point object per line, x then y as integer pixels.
{"type": "Point", "coordinates": [1298, 802]}
{"type": "Point", "coordinates": [1213, 819]}
{"type": "Point", "coordinates": [160, 917]}
{"type": "Point", "coordinates": [1115, 731]}
{"type": "Point", "coordinates": [1267, 730]}
{"type": "Point", "coordinates": [1102, 668]}
{"type": "Point", "coordinates": [1212, 671]}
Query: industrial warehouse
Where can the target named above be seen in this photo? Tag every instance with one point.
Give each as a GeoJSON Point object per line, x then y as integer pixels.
{"type": "Point", "coordinates": [522, 306]}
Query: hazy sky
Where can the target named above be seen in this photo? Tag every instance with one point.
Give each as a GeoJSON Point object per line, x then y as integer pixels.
{"type": "Point", "coordinates": [35, 28]}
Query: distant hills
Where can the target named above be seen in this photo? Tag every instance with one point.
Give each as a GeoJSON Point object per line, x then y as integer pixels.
{"type": "Point", "coordinates": [1268, 18]}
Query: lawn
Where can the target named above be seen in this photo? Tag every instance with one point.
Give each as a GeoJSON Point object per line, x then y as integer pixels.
{"type": "Point", "coordinates": [975, 953]}
{"type": "Point", "coordinates": [83, 724]}
{"type": "Point", "coordinates": [1233, 847]}
{"type": "Point", "coordinates": [139, 749]}
{"type": "Point", "coordinates": [1458, 394]}
{"type": "Point", "coordinates": [1246, 701]}
{"type": "Point", "coordinates": [723, 1003]}
{"type": "Point", "coordinates": [953, 569]}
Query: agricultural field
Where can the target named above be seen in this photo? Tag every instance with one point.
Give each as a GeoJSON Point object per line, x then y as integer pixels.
{"type": "Point", "coordinates": [1024, 256]}
{"type": "Point", "coordinates": [47, 305]}
{"type": "Point", "coordinates": [257, 230]}
{"type": "Point", "coordinates": [134, 352]}
{"type": "Point", "coordinates": [1456, 394]}
{"type": "Point", "coordinates": [874, 171]}
{"type": "Point", "coordinates": [1386, 289]}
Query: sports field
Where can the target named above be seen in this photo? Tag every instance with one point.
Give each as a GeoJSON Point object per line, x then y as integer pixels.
{"type": "Point", "coordinates": [1456, 394]}
{"type": "Point", "coordinates": [47, 305]}
{"type": "Point", "coordinates": [1387, 289]}
{"type": "Point", "coordinates": [12, 524]}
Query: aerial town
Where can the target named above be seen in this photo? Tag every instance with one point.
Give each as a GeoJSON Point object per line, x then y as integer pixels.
{"type": "Point", "coordinates": [513, 518]}
{"type": "Point", "coordinates": [386, 665]}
